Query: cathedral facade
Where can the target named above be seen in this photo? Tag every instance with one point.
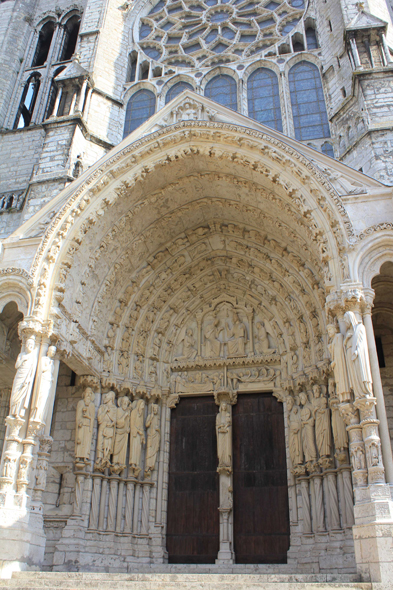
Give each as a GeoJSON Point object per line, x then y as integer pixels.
{"type": "Point", "coordinates": [196, 271]}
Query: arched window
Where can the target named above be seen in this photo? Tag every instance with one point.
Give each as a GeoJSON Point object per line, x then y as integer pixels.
{"type": "Point", "coordinates": [52, 94]}
{"type": "Point", "coordinates": [140, 107]}
{"type": "Point", "coordinates": [27, 103]}
{"type": "Point", "coordinates": [71, 31]}
{"type": "Point", "coordinates": [327, 149]}
{"type": "Point", "coordinates": [308, 102]}
{"type": "Point", "coordinates": [176, 90]}
{"type": "Point", "coordinates": [311, 38]}
{"type": "Point", "coordinates": [223, 90]}
{"type": "Point", "coordinates": [264, 98]}
{"type": "Point", "coordinates": [43, 44]}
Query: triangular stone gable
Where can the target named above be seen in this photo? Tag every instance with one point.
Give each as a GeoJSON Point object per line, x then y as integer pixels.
{"type": "Point", "coordinates": [190, 106]}
{"type": "Point", "coordinates": [366, 20]}
{"type": "Point", "coordinates": [73, 70]}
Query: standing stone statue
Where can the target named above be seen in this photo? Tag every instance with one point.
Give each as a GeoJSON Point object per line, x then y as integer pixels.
{"type": "Point", "coordinates": [295, 432]}
{"type": "Point", "coordinates": [153, 439]}
{"type": "Point", "coordinates": [46, 382]}
{"type": "Point", "coordinates": [224, 438]}
{"type": "Point", "coordinates": [309, 448]}
{"type": "Point", "coordinates": [237, 337]}
{"type": "Point", "coordinates": [262, 339]}
{"type": "Point", "coordinates": [23, 381]}
{"type": "Point", "coordinates": [340, 435]}
{"type": "Point", "coordinates": [358, 361]}
{"type": "Point", "coordinates": [123, 414]}
{"type": "Point", "coordinates": [213, 344]}
{"type": "Point", "coordinates": [338, 363]}
{"type": "Point", "coordinates": [189, 351]}
{"type": "Point", "coordinates": [322, 422]}
{"type": "Point", "coordinates": [137, 437]}
{"type": "Point", "coordinates": [85, 413]}
{"type": "Point", "coordinates": [106, 418]}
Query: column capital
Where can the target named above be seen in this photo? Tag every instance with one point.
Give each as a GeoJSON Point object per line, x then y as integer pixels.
{"type": "Point", "coordinates": [351, 296]}
{"type": "Point", "coordinates": [32, 327]}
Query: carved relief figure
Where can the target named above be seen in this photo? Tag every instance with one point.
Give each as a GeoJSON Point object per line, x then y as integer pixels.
{"type": "Point", "coordinates": [137, 437]}
{"type": "Point", "coordinates": [295, 432]}
{"type": "Point", "coordinates": [338, 363]}
{"type": "Point", "coordinates": [85, 413]}
{"type": "Point", "coordinates": [322, 422]}
{"type": "Point", "coordinates": [153, 439]}
{"type": "Point", "coordinates": [123, 413]}
{"type": "Point", "coordinates": [262, 339]}
{"type": "Point", "coordinates": [47, 374]}
{"type": "Point", "coordinates": [340, 435]}
{"type": "Point", "coordinates": [224, 438]}
{"type": "Point", "coordinates": [309, 449]}
{"type": "Point", "coordinates": [357, 356]}
{"type": "Point", "coordinates": [23, 380]}
{"type": "Point", "coordinates": [237, 337]}
{"type": "Point", "coordinates": [189, 351]}
{"type": "Point", "coordinates": [106, 418]}
{"type": "Point", "coordinates": [212, 343]}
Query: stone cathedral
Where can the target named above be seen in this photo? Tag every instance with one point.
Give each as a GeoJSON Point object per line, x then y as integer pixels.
{"type": "Point", "coordinates": [196, 293]}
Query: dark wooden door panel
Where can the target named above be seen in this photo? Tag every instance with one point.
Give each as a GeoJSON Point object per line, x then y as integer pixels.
{"type": "Point", "coordinates": [193, 496]}
{"type": "Point", "coordinates": [261, 515]}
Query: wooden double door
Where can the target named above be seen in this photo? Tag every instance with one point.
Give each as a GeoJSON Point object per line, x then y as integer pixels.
{"type": "Point", "coordinates": [260, 493]}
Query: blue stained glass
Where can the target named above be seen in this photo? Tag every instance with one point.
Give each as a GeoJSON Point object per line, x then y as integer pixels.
{"type": "Point", "coordinates": [297, 3]}
{"type": "Point", "coordinates": [264, 98]}
{"type": "Point", "coordinates": [263, 24]}
{"type": "Point", "coordinates": [289, 26]}
{"type": "Point", "coordinates": [144, 31]}
{"type": "Point", "coordinates": [327, 149]}
{"type": "Point", "coordinates": [192, 48]}
{"type": "Point", "coordinates": [140, 108]}
{"type": "Point", "coordinates": [211, 36]}
{"type": "Point", "coordinates": [196, 34]}
{"type": "Point", "coordinates": [167, 26]}
{"type": "Point", "coordinates": [196, 8]}
{"type": "Point", "coordinates": [211, 2]}
{"type": "Point", "coordinates": [152, 52]}
{"type": "Point", "coordinates": [175, 9]}
{"type": "Point", "coordinates": [157, 7]}
{"type": "Point", "coordinates": [219, 17]}
{"type": "Point", "coordinates": [240, 25]}
{"type": "Point", "coordinates": [247, 38]}
{"type": "Point", "coordinates": [272, 5]}
{"type": "Point", "coordinates": [308, 102]}
{"type": "Point", "coordinates": [173, 40]}
{"type": "Point", "coordinates": [176, 90]}
{"type": "Point", "coordinates": [228, 33]}
{"type": "Point", "coordinates": [219, 48]}
{"type": "Point", "coordinates": [223, 89]}
{"type": "Point", "coordinates": [311, 38]}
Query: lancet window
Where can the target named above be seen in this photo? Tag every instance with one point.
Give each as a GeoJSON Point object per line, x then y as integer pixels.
{"type": "Point", "coordinates": [264, 98]}
{"type": "Point", "coordinates": [71, 31]}
{"type": "Point", "coordinates": [223, 89]}
{"type": "Point", "coordinates": [176, 90]}
{"type": "Point", "coordinates": [27, 103]}
{"type": "Point", "coordinates": [140, 107]}
{"type": "Point", "coordinates": [43, 44]}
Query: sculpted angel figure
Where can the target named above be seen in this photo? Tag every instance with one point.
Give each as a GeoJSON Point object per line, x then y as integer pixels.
{"type": "Point", "coordinates": [237, 337]}
{"type": "Point", "coordinates": [224, 438]}
{"type": "Point", "coordinates": [212, 343]}
{"type": "Point", "coordinates": [322, 422]}
{"type": "Point", "coordinates": [309, 448]}
{"type": "Point", "coordinates": [339, 363]}
{"type": "Point", "coordinates": [85, 413]}
{"type": "Point", "coordinates": [189, 351]}
{"type": "Point", "coordinates": [106, 418]}
{"type": "Point", "coordinates": [358, 360]}
{"type": "Point", "coordinates": [137, 437]}
{"type": "Point", "coordinates": [23, 381]}
{"type": "Point", "coordinates": [295, 432]}
{"type": "Point", "coordinates": [153, 439]}
{"type": "Point", "coordinates": [47, 374]}
{"type": "Point", "coordinates": [123, 413]}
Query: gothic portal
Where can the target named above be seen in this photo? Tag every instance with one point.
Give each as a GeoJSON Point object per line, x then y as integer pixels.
{"type": "Point", "coordinates": [195, 303]}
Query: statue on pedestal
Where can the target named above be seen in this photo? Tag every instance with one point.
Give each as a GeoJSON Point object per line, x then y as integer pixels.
{"type": "Point", "coordinates": [153, 439]}
{"type": "Point", "coordinates": [123, 414]}
{"type": "Point", "coordinates": [357, 356]}
{"type": "Point", "coordinates": [106, 418]}
{"type": "Point", "coordinates": [23, 381]}
{"type": "Point", "coordinates": [137, 437]}
{"type": "Point", "coordinates": [85, 413]}
{"type": "Point", "coordinates": [338, 363]}
{"type": "Point", "coordinates": [309, 448]}
{"type": "Point", "coordinates": [295, 432]}
{"type": "Point", "coordinates": [224, 439]}
{"type": "Point", "coordinates": [321, 414]}
{"type": "Point", "coordinates": [46, 382]}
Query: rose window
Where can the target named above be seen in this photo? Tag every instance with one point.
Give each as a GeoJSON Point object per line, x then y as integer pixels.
{"type": "Point", "coordinates": [190, 33]}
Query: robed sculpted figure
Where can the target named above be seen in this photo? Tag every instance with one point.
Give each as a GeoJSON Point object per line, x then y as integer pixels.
{"type": "Point", "coordinates": [309, 448]}
{"type": "Point", "coordinates": [137, 437]}
{"type": "Point", "coordinates": [237, 337]}
{"type": "Point", "coordinates": [23, 380]}
{"type": "Point", "coordinates": [340, 435]}
{"type": "Point", "coordinates": [46, 382]}
{"type": "Point", "coordinates": [295, 432]}
{"type": "Point", "coordinates": [212, 343]}
{"type": "Point", "coordinates": [322, 422]}
{"type": "Point", "coordinates": [338, 363]}
{"type": "Point", "coordinates": [123, 413]}
{"type": "Point", "coordinates": [224, 438]}
{"type": "Point", "coordinates": [153, 439]}
{"type": "Point", "coordinates": [85, 413]}
{"type": "Point", "coordinates": [106, 418]}
{"type": "Point", "coordinates": [358, 360]}
{"type": "Point", "coordinates": [189, 351]}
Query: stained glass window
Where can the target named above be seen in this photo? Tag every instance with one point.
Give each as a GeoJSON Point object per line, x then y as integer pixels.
{"type": "Point", "coordinates": [327, 149]}
{"type": "Point", "coordinates": [264, 98]}
{"type": "Point", "coordinates": [176, 90]}
{"type": "Point", "coordinates": [223, 89]}
{"type": "Point", "coordinates": [308, 102]}
{"type": "Point", "coordinates": [140, 107]}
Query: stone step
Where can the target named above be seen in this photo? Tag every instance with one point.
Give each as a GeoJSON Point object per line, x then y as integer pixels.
{"type": "Point", "coordinates": [163, 581]}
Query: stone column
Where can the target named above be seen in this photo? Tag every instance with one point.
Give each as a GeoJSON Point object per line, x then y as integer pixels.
{"type": "Point", "coordinates": [4, 407]}
{"type": "Point", "coordinates": [145, 507]}
{"type": "Point", "coordinates": [95, 502]}
{"type": "Point", "coordinates": [355, 53]}
{"type": "Point", "coordinates": [41, 472]}
{"type": "Point", "coordinates": [225, 398]}
{"type": "Point", "coordinates": [112, 506]}
{"type": "Point", "coordinates": [135, 522]}
{"type": "Point", "coordinates": [378, 392]}
{"type": "Point", "coordinates": [82, 96]}
{"type": "Point", "coordinates": [306, 509]}
{"type": "Point", "coordinates": [130, 492]}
